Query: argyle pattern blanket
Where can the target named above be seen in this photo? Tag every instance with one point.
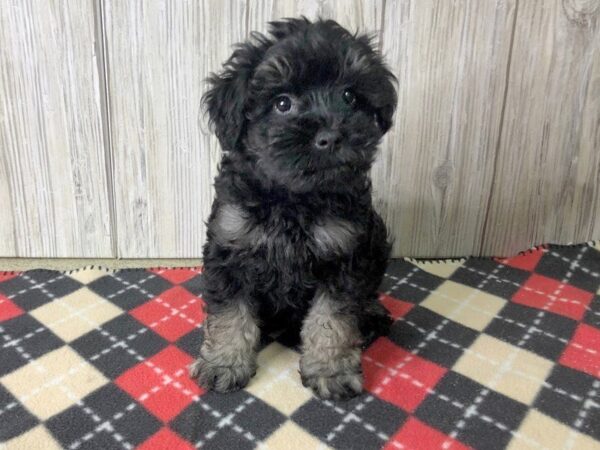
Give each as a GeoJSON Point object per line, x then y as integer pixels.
{"type": "Point", "coordinates": [483, 353]}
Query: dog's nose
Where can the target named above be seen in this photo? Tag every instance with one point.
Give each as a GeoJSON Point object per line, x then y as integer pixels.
{"type": "Point", "coordinates": [327, 139]}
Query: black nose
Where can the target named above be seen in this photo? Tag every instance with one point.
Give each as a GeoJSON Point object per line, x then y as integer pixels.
{"type": "Point", "coordinates": [327, 139]}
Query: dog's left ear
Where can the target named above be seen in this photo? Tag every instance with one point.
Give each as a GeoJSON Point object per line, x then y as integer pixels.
{"type": "Point", "coordinates": [385, 98]}
{"type": "Point", "coordinates": [373, 80]}
{"type": "Point", "coordinates": [227, 98]}
{"type": "Point", "coordinates": [384, 116]}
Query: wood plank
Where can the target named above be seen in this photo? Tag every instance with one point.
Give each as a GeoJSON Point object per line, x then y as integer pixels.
{"type": "Point", "coordinates": [164, 157]}
{"type": "Point", "coordinates": [433, 177]}
{"type": "Point", "coordinates": [435, 173]}
{"type": "Point", "coordinates": [53, 183]}
{"type": "Point", "coordinates": [547, 180]}
{"type": "Point", "coordinates": [352, 14]}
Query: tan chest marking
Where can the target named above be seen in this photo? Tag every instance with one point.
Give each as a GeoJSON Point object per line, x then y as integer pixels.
{"type": "Point", "coordinates": [333, 235]}
{"type": "Point", "coordinates": [233, 226]}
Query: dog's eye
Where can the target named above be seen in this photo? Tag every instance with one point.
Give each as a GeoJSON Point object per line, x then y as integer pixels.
{"type": "Point", "coordinates": [349, 97]}
{"type": "Point", "coordinates": [283, 104]}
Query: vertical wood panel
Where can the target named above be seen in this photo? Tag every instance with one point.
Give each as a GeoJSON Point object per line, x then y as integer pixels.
{"type": "Point", "coordinates": [159, 53]}
{"type": "Point", "coordinates": [165, 158]}
{"type": "Point", "coordinates": [8, 238]}
{"type": "Point", "coordinates": [53, 187]}
{"type": "Point", "coordinates": [352, 14]}
{"type": "Point", "coordinates": [434, 175]}
{"type": "Point", "coordinates": [484, 156]}
{"type": "Point", "coordinates": [547, 180]}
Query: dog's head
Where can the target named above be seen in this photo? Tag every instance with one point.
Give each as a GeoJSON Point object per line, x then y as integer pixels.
{"type": "Point", "coordinates": [307, 106]}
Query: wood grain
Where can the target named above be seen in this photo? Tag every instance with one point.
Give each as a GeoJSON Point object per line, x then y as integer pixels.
{"type": "Point", "coordinates": [105, 151]}
{"type": "Point", "coordinates": [434, 175]}
{"type": "Point", "coordinates": [53, 189]}
{"type": "Point", "coordinates": [164, 158]}
{"type": "Point", "coordinates": [547, 178]}
{"type": "Point", "coordinates": [355, 15]}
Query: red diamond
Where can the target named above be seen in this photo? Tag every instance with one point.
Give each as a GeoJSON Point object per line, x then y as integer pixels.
{"type": "Point", "coordinates": [583, 351]}
{"type": "Point", "coordinates": [161, 383]}
{"type": "Point", "coordinates": [527, 261]}
{"type": "Point", "coordinates": [165, 439]}
{"type": "Point", "coordinates": [552, 295]}
{"type": "Point", "coordinates": [416, 435]}
{"type": "Point", "coordinates": [5, 276]}
{"type": "Point", "coordinates": [397, 308]}
{"type": "Point", "coordinates": [398, 376]}
{"type": "Point", "coordinates": [177, 276]}
{"type": "Point", "coordinates": [172, 314]}
{"type": "Point", "coordinates": [8, 309]}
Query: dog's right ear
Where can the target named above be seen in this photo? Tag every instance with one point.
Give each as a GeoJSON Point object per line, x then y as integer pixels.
{"type": "Point", "coordinates": [225, 101]}
{"type": "Point", "coordinates": [227, 98]}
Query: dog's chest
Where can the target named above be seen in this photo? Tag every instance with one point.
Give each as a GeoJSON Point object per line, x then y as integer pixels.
{"type": "Point", "coordinates": [283, 234]}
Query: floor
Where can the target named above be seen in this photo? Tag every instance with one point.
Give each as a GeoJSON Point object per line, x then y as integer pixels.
{"type": "Point", "coordinates": [485, 354]}
{"type": "Point", "coordinates": [19, 264]}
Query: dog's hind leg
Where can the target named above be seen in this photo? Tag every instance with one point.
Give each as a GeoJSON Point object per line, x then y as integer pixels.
{"type": "Point", "coordinates": [227, 358]}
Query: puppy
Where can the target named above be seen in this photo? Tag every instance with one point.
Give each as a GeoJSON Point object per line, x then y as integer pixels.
{"type": "Point", "coordinates": [293, 240]}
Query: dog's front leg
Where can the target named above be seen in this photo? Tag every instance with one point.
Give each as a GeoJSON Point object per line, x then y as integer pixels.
{"type": "Point", "coordinates": [228, 354]}
{"type": "Point", "coordinates": [331, 349]}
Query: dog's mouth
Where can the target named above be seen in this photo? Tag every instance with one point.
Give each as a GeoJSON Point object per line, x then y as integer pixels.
{"type": "Point", "coordinates": [326, 169]}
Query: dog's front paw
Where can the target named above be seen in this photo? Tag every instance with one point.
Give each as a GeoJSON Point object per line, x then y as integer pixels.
{"type": "Point", "coordinates": [337, 377]}
{"type": "Point", "coordinates": [340, 386]}
{"type": "Point", "coordinates": [222, 378]}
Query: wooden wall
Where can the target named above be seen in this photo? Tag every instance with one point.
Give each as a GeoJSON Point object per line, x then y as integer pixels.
{"type": "Point", "coordinates": [104, 150]}
{"type": "Point", "coordinates": [53, 184]}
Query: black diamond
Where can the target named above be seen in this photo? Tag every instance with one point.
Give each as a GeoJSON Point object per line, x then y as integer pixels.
{"type": "Point", "coordinates": [556, 263]}
{"type": "Point", "coordinates": [35, 288]}
{"type": "Point", "coordinates": [592, 315]}
{"type": "Point", "coordinates": [407, 282]}
{"type": "Point", "coordinates": [196, 421]}
{"type": "Point", "coordinates": [373, 421]}
{"type": "Point", "coordinates": [548, 333]}
{"type": "Point", "coordinates": [130, 288]}
{"type": "Point", "coordinates": [118, 345]}
{"type": "Point", "coordinates": [250, 420]}
{"type": "Point", "coordinates": [488, 428]}
{"type": "Point", "coordinates": [229, 438]}
{"type": "Point", "coordinates": [491, 277]}
{"type": "Point", "coordinates": [14, 418]}
{"type": "Point", "coordinates": [107, 405]}
{"type": "Point", "coordinates": [563, 396]}
{"type": "Point", "coordinates": [194, 285]}
{"type": "Point", "coordinates": [23, 339]}
{"type": "Point", "coordinates": [251, 414]}
{"type": "Point", "coordinates": [438, 338]}
{"type": "Point", "coordinates": [191, 342]}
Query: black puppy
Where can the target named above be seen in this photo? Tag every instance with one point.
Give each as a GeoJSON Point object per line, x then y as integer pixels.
{"type": "Point", "coordinates": [293, 238]}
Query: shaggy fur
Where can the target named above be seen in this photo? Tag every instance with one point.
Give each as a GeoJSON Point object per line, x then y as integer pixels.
{"type": "Point", "coordinates": [293, 238]}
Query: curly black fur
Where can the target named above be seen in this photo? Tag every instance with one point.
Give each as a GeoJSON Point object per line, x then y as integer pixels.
{"type": "Point", "coordinates": [291, 219]}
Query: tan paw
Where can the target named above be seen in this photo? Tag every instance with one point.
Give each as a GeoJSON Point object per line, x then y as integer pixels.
{"type": "Point", "coordinates": [222, 378]}
{"type": "Point", "coordinates": [340, 386]}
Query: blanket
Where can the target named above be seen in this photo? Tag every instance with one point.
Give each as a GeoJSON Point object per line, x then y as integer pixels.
{"type": "Point", "coordinates": [484, 353]}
